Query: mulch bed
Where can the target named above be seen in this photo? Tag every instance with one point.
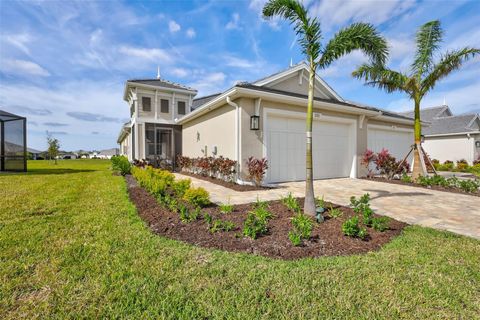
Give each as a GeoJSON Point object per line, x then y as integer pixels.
{"type": "Point", "coordinates": [327, 238]}
{"type": "Point", "coordinates": [226, 184]}
{"type": "Point", "coordinates": [411, 184]}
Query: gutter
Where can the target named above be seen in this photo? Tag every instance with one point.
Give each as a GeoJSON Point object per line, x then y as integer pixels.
{"type": "Point", "coordinates": [451, 134]}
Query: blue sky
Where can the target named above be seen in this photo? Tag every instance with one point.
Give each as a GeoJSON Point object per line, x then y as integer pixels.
{"type": "Point", "coordinates": [63, 64]}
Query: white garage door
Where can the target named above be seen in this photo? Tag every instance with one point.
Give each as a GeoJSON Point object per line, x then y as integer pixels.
{"type": "Point", "coordinates": [395, 141]}
{"type": "Point", "coordinates": [332, 149]}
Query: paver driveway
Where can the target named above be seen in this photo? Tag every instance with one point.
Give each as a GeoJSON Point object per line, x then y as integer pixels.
{"type": "Point", "coordinates": [436, 209]}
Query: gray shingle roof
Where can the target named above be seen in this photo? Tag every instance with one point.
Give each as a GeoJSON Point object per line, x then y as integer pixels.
{"type": "Point", "coordinates": [442, 121]}
{"type": "Point", "coordinates": [202, 100]}
{"type": "Point", "coordinates": [162, 84]}
{"type": "Point", "coordinates": [349, 104]}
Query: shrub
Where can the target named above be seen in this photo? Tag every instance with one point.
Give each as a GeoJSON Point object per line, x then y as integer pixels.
{"type": "Point", "coordinates": [226, 168]}
{"type": "Point", "coordinates": [380, 223]}
{"type": "Point", "coordinates": [260, 204]}
{"type": "Point", "coordinates": [254, 226]}
{"type": "Point", "coordinates": [302, 228]}
{"type": "Point", "coordinates": [181, 186]}
{"type": "Point", "coordinates": [320, 202]}
{"type": "Point", "coordinates": [367, 159]}
{"type": "Point", "coordinates": [462, 165]}
{"type": "Point", "coordinates": [406, 178]}
{"type": "Point", "coordinates": [121, 164]}
{"type": "Point", "coordinates": [351, 228]}
{"type": "Point", "coordinates": [219, 225]}
{"type": "Point", "coordinates": [188, 216]}
{"type": "Point", "coordinates": [197, 197]}
{"type": "Point", "coordinates": [157, 186]}
{"type": "Point", "coordinates": [335, 212]}
{"type": "Point", "coordinates": [208, 218]}
{"type": "Point", "coordinates": [226, 208]}
{"type": "Point", "coordinates": [470, 186]}
{"type": "Point", "coordinates": [220, 167]}
{"type": "Point", "coordinates": [257, 169]}
{"type": "Point", "coordinates": [385, 163]}
{"type": "Point", "coordinates": [291, 203]}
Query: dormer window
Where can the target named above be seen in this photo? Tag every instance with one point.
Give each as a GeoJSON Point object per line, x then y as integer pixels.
{"type": "Point", "coordinates": [146, 104]}
{"type": "Point", "coordinates": [164, 106]}
{"type": "Point", "coordinates": [181, 107]}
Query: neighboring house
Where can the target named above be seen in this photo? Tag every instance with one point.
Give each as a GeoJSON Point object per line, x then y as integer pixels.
{"type": "Point", "coordinates": [225, 124]}
{"type": "Point", "coordinates": [450, 137]}
{"type": "Point", "coordinates": [68, 156]}
{"type": "Point", "coordinates": [34, 154]}
{"type": "Point", "coordinates": [108, 153]}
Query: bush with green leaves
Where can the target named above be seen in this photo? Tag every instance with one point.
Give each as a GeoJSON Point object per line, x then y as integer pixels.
{"type": "Point", "coordinates": [469, 186]}
{"type": "Point", "coordinates": [121, 164]}
{"type": "Point", "coordinates": [335, 212]}
{"type": "Point", "coordinates": [406, 178]}
{"type": "Point", "coordinates": [187, 216]}
{"type": "Point", "coordinates": [260, 204]}
{"type": "Point", "coordinates": [198, 197]}
{"type": "Point", "coordinates": [380, 223]}
{"type": "Point", "coordinates": [302, 229]}
{"type": "Point", "coordinates": [256, 222]}
{"type": "Point", "coordinates": [352, 228]}
{"type": "Point", "coordinates": [181, 186]}
{"type": "Point", "coordinates": [320, 202]}
{"type": "Point", "coordinates": [291, 203]}
{"type": "Point", "coordinates": [220, 225]}
{"type": "Point", "coordinates": [226, 208]}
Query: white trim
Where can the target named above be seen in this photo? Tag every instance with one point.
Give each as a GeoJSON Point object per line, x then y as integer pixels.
{"type": "Point", "coordinates": [360, 121]}
{"type": "Point", "coordinates": [473, 120]}
{"type": "Point", "coordinates": [451, 134]}
{"type": "Point", "coordinates": [389, 128]}
{"type": "Point", "coordinates": [324, 118]}
{"type": "Point", "coordinates": [325, 96]}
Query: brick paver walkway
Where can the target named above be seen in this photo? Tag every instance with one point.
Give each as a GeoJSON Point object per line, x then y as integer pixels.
{"type": "Point", "coordinates": [436, 209]}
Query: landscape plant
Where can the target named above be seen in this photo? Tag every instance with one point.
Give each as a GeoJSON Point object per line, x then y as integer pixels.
{"type": "Point", "coordinates": [422, 77]}
{"type": "Point", "coordinates": [302, 229]}
{"type": "Point", "coordinates": [53, 147]}
{"type": "Point", "coordinates": [198, 197]}
{"type": "Point", "coordinates": [256, 223]}
{"type": "Point", "coordinates": [121, 165]}
{"type": "Point", "coordinates": [256, 169]}
{"type": "Point", "coordinates": [358, 36]}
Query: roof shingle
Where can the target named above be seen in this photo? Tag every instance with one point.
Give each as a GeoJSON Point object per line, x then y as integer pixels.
{"type": "Point", "coordinates": [162, 84]}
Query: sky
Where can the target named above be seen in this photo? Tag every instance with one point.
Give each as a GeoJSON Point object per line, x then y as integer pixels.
{"type": "Point", "coordinates": [63, 64]}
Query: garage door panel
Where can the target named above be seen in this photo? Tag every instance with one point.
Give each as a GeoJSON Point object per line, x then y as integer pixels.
{"type": "Point", "coordinates": [332, 149]}
{"type": "Point", "coordinates": [396, 142]}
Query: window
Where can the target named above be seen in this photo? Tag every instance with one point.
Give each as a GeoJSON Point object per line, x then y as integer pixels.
{"type": "Point", "coordinates": [146, 104]}
{"type": "Point", "coordinates": [181, 107]}
{"type": "Point", "coordinates": [164, 106]}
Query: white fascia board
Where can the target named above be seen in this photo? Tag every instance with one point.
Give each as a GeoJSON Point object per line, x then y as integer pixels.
{"type": "Point", "coordinates": [395, 120]}
{"type": "Point", "coordinates": [451, 134]}
{"type": "Point", "coordinates": [141, 85]}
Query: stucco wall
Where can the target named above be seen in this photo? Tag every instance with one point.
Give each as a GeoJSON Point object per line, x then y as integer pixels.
{"type": "Point", "coordinates": [217, 128]}
{"type": "Point", "coordinates": [452, 148]}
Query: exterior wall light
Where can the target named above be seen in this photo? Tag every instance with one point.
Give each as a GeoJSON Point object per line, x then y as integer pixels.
{"type": "Point", "coordinates": [477, 144]}
{"type": "Point", "coordinates": [254, 122]}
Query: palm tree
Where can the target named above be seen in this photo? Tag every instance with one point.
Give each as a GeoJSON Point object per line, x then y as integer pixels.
{"type": "Point", "coordinates": [357, 36]}
{"type": "Point", "coordinates": [422, 78]}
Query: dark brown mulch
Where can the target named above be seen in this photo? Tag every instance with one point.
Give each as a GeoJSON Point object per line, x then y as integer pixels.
{"type": "Point", "coordinates": [411, 184]}
{"type": "Point", "coordinates": [226, 184]}
{"type": "Point", "coordinates": [327, 238]}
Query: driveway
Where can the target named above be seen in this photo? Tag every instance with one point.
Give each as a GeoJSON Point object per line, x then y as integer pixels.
{"type": "Point", "coordinates": [435, 209]}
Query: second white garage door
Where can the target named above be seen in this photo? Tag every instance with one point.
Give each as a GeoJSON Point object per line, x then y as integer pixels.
{"type": "Point", "coordinates": [396, 141]}
{"type": "Point", "coordinates": [333, 145]}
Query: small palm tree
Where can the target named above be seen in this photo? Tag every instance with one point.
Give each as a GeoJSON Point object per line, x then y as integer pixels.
{"type": "Point", "coordinates": [422, 77]}
{"type": "Point", "coordinates": [357, 36]}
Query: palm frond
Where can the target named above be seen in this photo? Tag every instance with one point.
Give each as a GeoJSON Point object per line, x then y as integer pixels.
{"type": "Point", "coordinates": [308, 29]}
{"type": "Point", "coordinates": [428, 40]}
{"type": "Point", "coordinates": [361, 36]}
{"type": "Point", "coordinates": [449, 62]}
{"type": "Point", "coordinates": [376, 75]}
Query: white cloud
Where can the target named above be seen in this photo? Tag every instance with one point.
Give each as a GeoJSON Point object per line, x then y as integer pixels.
{"type": "Point", "coordinates": [20, 41]}
{"type": "Point", "coordinates": [236, 62]}
{"type": "Point", "coordinates": [179, 72]}
{"type": "Point", "coordinates": [173, 26]}
{"type": "Point", "coordinates": [257, 5]}
{"type": "Point", "coordinates": [152, 54]}
{"type": "Point", "coordinates": [209, 83]}
{"type": "Point", "coordinates": [234, 23]}
{"type": "Point", "coordinates": [191, 33]}
{"type": "Point", "coordinates": [22, 67]}
{"type": "Point", "coordinates": [340, 12]}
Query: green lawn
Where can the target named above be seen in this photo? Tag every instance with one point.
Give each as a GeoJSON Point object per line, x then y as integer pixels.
{"type": "Point", "coordinates": [72, 246]}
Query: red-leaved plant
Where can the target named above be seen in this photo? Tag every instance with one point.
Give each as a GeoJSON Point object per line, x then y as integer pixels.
{"type": "Point", "coordinates": [257, 169]}
{"type": "Point", "coordinates": [367, 159]}
{"type": "Point", "coordinates": [385, 163]}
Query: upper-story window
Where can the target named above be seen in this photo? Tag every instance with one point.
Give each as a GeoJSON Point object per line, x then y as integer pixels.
{"type": "Point", "coordinates": [181, 107]}
{"type": "Point", "coordinates": [146, 104]}
{"type": "Point", "coordinates": [164, 106]}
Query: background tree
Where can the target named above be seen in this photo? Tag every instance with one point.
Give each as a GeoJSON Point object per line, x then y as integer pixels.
{"type": "Point", "coordinates": [357, 36]}
{"type": "Point", "coordinates": [422, 78]}
{"type": "Point", "coordinates": [53, 147]}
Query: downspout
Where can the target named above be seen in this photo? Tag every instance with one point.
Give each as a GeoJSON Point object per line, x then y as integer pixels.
{"type": "Point", "coordinates": [237, 134]}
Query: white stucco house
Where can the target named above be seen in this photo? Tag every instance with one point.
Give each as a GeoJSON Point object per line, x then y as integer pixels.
{"type": "Point", "coordinates": [264, 118]}
{"type": "Point", "coordinates": [448, 136]}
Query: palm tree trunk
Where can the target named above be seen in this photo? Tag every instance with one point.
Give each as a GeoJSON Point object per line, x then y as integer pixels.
{"type": "Point", "coordinates": [309, 206]}
{"type": "Point", "coordinates": [418, 167]}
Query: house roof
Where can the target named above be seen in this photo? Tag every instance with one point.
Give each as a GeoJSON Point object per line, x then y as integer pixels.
{"type": "Point", "coordinates": [344, 103]}
{"type": "Point", "coordinates": [202, 100]}
{"type": "Point", "coordinates": [7, 116]}
{"type": "Point", "coordinates": [442, 121]}
{"type": "Point", "coordinates": [162, 83]}
{"type": "Point", "coordinates": [109, 152]}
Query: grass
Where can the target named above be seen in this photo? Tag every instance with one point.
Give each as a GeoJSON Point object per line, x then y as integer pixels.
{"type": "Point", "coordinates": [72, 246]}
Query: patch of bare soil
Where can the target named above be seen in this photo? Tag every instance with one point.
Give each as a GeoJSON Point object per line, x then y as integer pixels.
{"type": "Point", "coordinates": [327, 238]}
{"type": "Point", "coordinates": [411, 184]}
{"type": "Point", "coordinates": [226, 184]}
